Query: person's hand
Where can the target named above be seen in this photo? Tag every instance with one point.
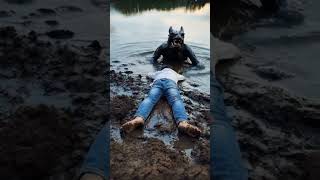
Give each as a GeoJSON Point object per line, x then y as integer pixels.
{"type": "Point", "coordinates": [199, 66]}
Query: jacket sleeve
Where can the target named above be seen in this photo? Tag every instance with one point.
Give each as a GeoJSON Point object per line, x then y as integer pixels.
{"type": "Point", "coordinates": [191, 55]}
{"type": "Point", "coordinates": [157, 54]}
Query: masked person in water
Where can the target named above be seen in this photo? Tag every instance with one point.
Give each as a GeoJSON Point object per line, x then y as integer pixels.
{"type": "Point", "coordinates": [164, 84]}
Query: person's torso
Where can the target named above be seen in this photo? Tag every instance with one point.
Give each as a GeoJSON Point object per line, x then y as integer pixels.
{"type": "Point", "coordinates": [166, 74]}
{"type": "Point", "coordinates": [174, 56]}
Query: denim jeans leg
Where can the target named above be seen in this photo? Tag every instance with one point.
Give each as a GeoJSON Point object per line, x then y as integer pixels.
{"type": "Point", "coordinates": [148, 103]}
{"type": "Point", "coordinates": [97, 159]}
{"type": "Point", "coordinates": [226, 162]}
{"type": "Point", "coordinates": [174, 99]}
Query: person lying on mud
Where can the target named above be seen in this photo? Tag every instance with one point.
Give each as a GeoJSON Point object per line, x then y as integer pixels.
{"type": "Point", "coordinates": [225, 155]}
{"type": "Point", "coordinates": [164, 84]}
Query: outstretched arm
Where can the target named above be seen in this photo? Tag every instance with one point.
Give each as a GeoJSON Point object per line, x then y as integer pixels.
{"type": "Point", "coordinates": [190, 54]}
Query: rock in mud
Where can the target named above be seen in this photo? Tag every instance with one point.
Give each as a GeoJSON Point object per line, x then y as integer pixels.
{"type": "Point", "coordinates": [60, 34]}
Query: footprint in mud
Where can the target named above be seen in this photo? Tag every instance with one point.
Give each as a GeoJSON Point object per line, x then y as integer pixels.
{"type": "Point", "coordinates": [46, 11]}
{"type": "Point", "coordinates": [68, 9]}
{"type": "Point", "coordinates": [4, 14]}
{"type": "Point", "coordinates": [52, 22]}
{"type": "Point", "coordinates": [60, 34]}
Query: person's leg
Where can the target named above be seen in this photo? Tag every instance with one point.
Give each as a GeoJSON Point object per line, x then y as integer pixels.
{"type": "Point", "coordinates": [173, 96]}
{"type": "Point", "coordinates": [96, 164]}
{"type": "Point", "coordinates": [144, 109]}
{"type": "Point", "coordinates": [149, 102]}
{"type": "Point", "coordinates": [226, 162]}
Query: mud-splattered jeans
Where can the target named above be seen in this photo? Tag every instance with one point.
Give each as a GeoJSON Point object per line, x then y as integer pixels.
{"type": "Point", "coordinates": [169, 89]}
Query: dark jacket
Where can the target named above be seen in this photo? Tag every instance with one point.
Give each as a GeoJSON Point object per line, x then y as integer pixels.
{"type": "Point", "coordinates": [174, 56]}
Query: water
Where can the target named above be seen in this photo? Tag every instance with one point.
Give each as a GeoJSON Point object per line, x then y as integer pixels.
{"type": "Point", "coordinates": [294, 49]}
{"type": "Point", "coordinates": [138, 27]}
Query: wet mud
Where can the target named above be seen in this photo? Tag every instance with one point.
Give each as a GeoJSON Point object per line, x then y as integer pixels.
{"type": "Point", "coordinates": [277, 128]}
{"type": "Point", "coordinates": [53, 103]}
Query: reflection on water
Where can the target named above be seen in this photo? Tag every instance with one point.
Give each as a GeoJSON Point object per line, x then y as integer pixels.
{"type": "Point", "coordinates": [130, 7]}
{"type": "Point", "coordinates": [138, 27]}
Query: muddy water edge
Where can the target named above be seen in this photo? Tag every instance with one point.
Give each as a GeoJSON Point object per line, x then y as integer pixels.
{"type": "Point", "coordinates": [272, 90]}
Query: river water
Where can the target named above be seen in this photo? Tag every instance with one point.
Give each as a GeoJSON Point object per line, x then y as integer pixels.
{"type": "Point", "coordinates": [137, 28]}
{"type": "Point", "coordinates": [292, 48]}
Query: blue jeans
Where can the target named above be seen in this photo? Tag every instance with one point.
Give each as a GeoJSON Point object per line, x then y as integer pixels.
{"type": "Point", "coordinates": [97, 159]}
{"type": "Point", "coordinates": [225, 156]}
{"type": "Point", "coordinates": [169, 89]}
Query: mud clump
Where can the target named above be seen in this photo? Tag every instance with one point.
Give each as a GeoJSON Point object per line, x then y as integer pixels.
{"type": "Point", "coordinates": [60, 34]}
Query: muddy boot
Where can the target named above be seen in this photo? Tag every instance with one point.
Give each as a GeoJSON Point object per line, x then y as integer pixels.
{"type": "Point", "coordinates": [189, 129]}
{"type": "Point", "coordinates": [131, 125]}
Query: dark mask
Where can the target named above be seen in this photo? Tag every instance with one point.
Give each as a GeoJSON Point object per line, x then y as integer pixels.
{"type": "Point", "coordinates": [176, 38]}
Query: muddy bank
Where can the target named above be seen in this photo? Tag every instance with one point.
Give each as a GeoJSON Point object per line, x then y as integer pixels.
{"type": "Point", "coordinates": [158, 150]}
{"type": "Point", "coordinates": [278, 128]}
{"type": "Point", "coordinates": [278, 131]}
{"type": "Point", "coordinates": [53, 102]}
{"type": "Point", "coordinates": [233, 17]}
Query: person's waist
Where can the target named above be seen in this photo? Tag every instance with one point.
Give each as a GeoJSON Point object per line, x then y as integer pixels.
{"type": "Point", "coordinates": [164, 79]}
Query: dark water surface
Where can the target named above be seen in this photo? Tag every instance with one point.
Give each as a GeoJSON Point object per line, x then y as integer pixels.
{"type": "Point", "coordinates": [294, 49]}
{"type": "Point", "coordinates": [139, 27]}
